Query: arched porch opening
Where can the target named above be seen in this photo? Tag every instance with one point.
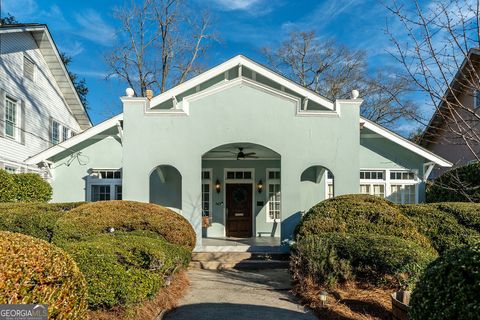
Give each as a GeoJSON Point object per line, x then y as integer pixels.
{"type": "Point", "coordinates": [166, 187]}
{"type": "Point", "coordinates": [316, 184]}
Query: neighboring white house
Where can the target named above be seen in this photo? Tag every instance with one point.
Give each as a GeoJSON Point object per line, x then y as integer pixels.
{"type": "Point", "coordinates": [39, 106]}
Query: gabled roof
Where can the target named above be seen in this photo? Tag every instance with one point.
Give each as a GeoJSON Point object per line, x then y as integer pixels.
{"type": "Point", "coordinates": [49, 50]}
{"type": "Point", "coordinates": [392, 136]}
{"type": "Point", "coordinates": [242, 61]}
{"type": "Point", "coordinates": [437, 118]}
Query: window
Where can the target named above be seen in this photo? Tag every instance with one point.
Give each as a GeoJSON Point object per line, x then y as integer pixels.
{"type": "Point", "coordinates": [11, 169]}
{"type": "Point", "coordinates": [403, 194]}
{"type": "Point", "coordinates": [476, 99]}
{"type": "Point", "coordinates": [402, 175]}
{"type": "Point", "coordinates": [64, 133]}
{"type": "Point", "coordinates": [273, 193]}
{"type": "Point", "coordinates": [329, 187]}
{"type": "Point", "coordinates": [372, 175]}
{"type": "Point", "coordinates": [239, 175]}
{"type": "Point", "coordinates": [206, 193]}
{"type": "Point", "coordinates": [10, 117]}
{"type": "Point", "coordinates": [106, 174]}
{"type": "Point", "coordinates": [55, 134]}
{"type": "Point", "coordinates": [100, 192]}
{"type": "Point", "coordinates": [118, 192]}
{"type": "Point", "coordinates": [28, 68]}
{"type": "Point", "coordinates": [372, 182]}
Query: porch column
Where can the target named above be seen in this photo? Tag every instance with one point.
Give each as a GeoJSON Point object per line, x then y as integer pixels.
{"type": "Point", "coordinates": [290, 197]}
{"type": "Point", "coordinates": [192, 197]}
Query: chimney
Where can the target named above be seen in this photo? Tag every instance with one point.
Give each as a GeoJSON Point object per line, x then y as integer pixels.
{"type": "Point", "coordinates": [149, 94]}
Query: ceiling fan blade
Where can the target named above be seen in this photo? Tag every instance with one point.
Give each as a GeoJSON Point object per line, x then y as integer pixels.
{"type": "Point", "coordinates": [222, 151]}
{"type": "Point", "coordinates": [251, 157]}
{"type": "Point", "coordinates": [250, 154]}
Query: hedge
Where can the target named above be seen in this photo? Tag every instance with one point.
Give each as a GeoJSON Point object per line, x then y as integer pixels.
{"type": "Point", "coordinates": [126, 267]}
{"type": "Point", "coordinates": [34, 271]}
{"type": "Point", "coordinates": [24, 187]}
{"type": "Point", "coordinates": [34, 219]}
{"type": "Point", "coordinates": [449, 287]}
{"type": "Point", "coordinates": [447, 225]}
{"type": "Point", "coordinates": [379, 260]}
{"type": "Point", "coordinates": [359, 214]}
{"type": "Point", "coordinates": [461, 184]}
{"type": "Point", "coordinates": [92, 219]}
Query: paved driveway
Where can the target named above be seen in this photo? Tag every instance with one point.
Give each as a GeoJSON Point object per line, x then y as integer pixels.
{"type": "Point", "coordinates": [235, 295]}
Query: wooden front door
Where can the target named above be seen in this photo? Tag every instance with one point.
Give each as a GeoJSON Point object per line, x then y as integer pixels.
{"type": "Point", "coordinates": [239, 210]}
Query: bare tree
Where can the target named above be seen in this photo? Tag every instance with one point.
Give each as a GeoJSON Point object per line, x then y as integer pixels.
{"type": "Point", "coordinates": [160, 44]}
{"type": "Point", "coordinates": [333, 70]}
{"type": "Point", "coordinates": [437, 45]}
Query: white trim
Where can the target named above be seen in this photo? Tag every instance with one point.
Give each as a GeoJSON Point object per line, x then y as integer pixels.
{"type": "Point", "coordinates": [404, 143]}
{"type": "Point", "coordinates": [240, 61]}
{"type": "Point", "coordinates": [387, 182]}
{"type": "Point", "coordinates": [56, 149]}
{"type": "Point", "coordinates": [210, 192]}
{"type": "Point", "coordinates": [267, 203]}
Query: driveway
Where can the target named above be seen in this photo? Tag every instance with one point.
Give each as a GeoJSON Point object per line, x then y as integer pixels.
{"type": "Point", "coordinates": [235, 295]}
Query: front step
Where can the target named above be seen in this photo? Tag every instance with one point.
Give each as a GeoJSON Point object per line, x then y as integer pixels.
{"type": "Point", "coordinates": [239, 260]}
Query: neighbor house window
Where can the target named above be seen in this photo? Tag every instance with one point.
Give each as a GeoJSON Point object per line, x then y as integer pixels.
{"type": "Point", "coordinates": [28, 68]}
{"type": "Point", "coordinates": [55, 134]}
{"type": "Point", "coordinates": [104, 184]}
{"type": "Point", "coordinates": [11, 169]}
{"type": "Point", "coordinates": [273, 194]}
{"type": "Point", "coordinates": [372, 182]}
{"type": "Point", "coordinates": [403, 187]}
{"type": "Point", "coordinates": [207, 193]}
{"type": "Point", "coordinates": [476, 99]}
{"type": "Point", "coordinates": [329, 187]}
{"type": "Point", "coordinates": [10, 117]}
{"type": "Point", "coordinates": [64, 133]}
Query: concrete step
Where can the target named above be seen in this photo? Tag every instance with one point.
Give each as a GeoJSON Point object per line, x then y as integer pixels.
{"type": "Point", "coordinates": [239, 260]}
{"type": "Point", "coordinates": [242, 265]}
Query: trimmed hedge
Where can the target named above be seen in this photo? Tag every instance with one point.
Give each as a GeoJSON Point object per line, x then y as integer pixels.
{"type": "Point", "coordinates": [359, 214]}
{"type": "Point", "coordinates": [7, 193]}
{"type": "Point", "coordinates": [461, 184]}
{"type": "Point", "coordinates": [380, 260]}
{"type": "Point", "coordinates": [30, 187]}
{"type": "Point", "coordinates": [444, 224]}
{"type": "Point", "coordinates": [126, 267]}
{"type": "Point", "coordinates": [92, 219]}
{"type": "Point", "coordinates": [449, 287]}
{"type": "Point", "coordinates": [34, 271]}
{"type": "Point", "coordinates": [34, 219]}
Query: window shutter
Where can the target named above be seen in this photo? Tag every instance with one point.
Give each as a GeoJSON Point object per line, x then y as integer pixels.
{"type": "Point", "coordinates": [22, 122]}
{"type": "Point", "coordinates": [2, 113]}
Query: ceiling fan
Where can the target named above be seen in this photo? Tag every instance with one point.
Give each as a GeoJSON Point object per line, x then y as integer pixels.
{"type": "Point", "coordinates": [240, 154]}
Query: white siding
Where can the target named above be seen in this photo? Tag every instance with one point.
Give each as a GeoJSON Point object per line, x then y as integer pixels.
{"type": "Point", "coordinates": [42, 97]}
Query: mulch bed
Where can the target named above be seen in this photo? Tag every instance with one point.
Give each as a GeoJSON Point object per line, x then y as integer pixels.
{"type": "Point", "coordinates": [352, 301]}
{"type": "Point", "coordinates": [166, 299]}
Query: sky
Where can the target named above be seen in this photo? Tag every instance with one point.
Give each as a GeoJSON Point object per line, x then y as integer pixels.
{"type": "Point", "coordinates": [87, 30]}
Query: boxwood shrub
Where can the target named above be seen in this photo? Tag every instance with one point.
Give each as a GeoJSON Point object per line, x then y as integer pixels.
{"type": "Point", "coordinates": [467, 214]}
{"type": "Point", "coordinates": [34, 271]}
{"type": "Point", "coordinates": [92, 219]}
{"type": "Point", "coordinates": [34, 219]}
{"type": "Point", "coordinates": [126, 267]}
{"type": "Point", "coordinates": [7, 189]}
{"type": "Point", "coordinates": [449, 287]}
{"type": "Point", "coordinates": [30, 187]}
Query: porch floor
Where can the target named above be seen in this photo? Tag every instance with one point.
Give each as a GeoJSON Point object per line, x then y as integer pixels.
{"type": "Point", "coordinates": [254, 244]}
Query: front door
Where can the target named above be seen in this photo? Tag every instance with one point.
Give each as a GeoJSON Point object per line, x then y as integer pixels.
{"type": "Point", "coordinates": [239, 210]}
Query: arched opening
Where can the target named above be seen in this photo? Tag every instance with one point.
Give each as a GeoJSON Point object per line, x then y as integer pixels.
{"type": "Point", "coordinates": [316, 184]}
{"type": "Point", "coordinates": [166, 187]}
{"type": "Point", "coordinates": [241, 192]}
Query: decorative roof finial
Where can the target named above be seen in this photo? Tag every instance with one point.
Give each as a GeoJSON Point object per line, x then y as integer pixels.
{"type": "Point", "coordinates": [130, 92]}
{"type": "Point", "coordinates": [355, 94]}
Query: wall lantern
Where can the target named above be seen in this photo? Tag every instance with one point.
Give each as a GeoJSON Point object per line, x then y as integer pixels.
{"type": "Point", "coordinates": [260, 186]}
{"type": "Point", "coordinates": [218, 186]}
{"type": "Point", "coordinates": [323, 297]}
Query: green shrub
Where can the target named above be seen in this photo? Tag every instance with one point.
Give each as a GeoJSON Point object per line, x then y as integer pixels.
{"type": "Point", "coordinates": [34, 271]}
{"type": "Point", "coordinates": [7, 189]}
{"type": "Point", "coordinates": [30, 187]}
{"type": "Point", "coordinates": [449, 287]}
{"type": "Point", "coordinates": [126, 267]}
{"type": "Point", "coordinates": [94, 218]}
{"type": "Point", "coordinates": [467, 214]}
{"type": "Point", "coordinates": [359, 214]}
{"type": "Point", "coordinates": [338, 257]}
{"type": "Point", "coordinates": [441, 226]}
{"type": "Point", "coordinates": [461, 184]}
{"type": "Point", "coordinates": [34, 219]}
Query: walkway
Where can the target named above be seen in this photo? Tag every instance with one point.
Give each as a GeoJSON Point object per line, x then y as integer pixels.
{"type": "Point", "coordinates": [239, 295]}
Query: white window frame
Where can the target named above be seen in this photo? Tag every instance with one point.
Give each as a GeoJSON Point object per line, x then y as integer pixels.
{"type": "Point", "coordinates": [11, 169]}
{"type": "Point", "coordinates": [267, 190]}
{"type": "Point", "coordinates": [34, 65]}
{"type": "Point", "coordinates": [65, 133]}
{"type": "Point", "coordinates": [13, 102]}
{"type": "Point", "coordinates": [404, 182]}
{"type": "Point", "coordinates": [329, 182]}
{"type": "Point", "coordinates": [52, 130]}
{"type": "Point", "coordinates": [371, 183]}
{"type": "Point", "coordinates": [209, 183]}
{"type": "Point", "coordinates": [94, 180]}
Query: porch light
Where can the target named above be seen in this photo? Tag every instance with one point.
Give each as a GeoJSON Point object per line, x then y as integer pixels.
{"type": "Point", "coordinates": [218, 186]}
{"type": "Point", "coordinates": [260, 186]}
{"type": "Point", "coordinates": [323, 297]}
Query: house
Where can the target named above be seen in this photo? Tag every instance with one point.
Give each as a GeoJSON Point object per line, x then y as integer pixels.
{"type": "Point", "coordinates": [39, 106]}
{"type": "Point", "coordinates": [454, 129]}
{"type": "Point", "coordinates": [240, 151]}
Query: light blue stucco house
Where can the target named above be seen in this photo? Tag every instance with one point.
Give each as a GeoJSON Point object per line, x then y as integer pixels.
{"type": "Point", "coordinates": [240, 151]}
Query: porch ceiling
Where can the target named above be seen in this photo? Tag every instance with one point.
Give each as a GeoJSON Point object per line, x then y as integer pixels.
{"type": "Point", "coordinates": [230, 151]}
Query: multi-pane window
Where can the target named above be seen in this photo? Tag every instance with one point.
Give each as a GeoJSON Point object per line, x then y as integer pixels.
{"type": "Point", "coordinates": [402, 175]}
{"type": "Point", "coordinates": [55, 134]}
{"type": "Point", "coordinates": [372, 182]}
{"type": "Point", "coordinates": [118, 192]}
{"type": "Point", "coordinates": [206, 193]}
{"type": "Point", "coordinates": [11, 169]}
{"type": "Point", "coordinates": [372, 175]}
{"type": "Point", "coordinates": [100, 192]}
{"type": "Point", "coordinates": [64, 133]}
{"type": "Point", "coordinates": [329, 187]}
{"type": "Point", "coordinates": [403, 187]}
{"type": "Point", "coordinates": [107, 173]}
{"type": "Point", "coordinates": [28, 68]}
{"type": "Point", "coordinates": [105, 184]}
{"type": "Point", "coordinates": [239, 175]}
{"type": "Point", "coordinates": [10, 117]}
{"type": "Point", "coordinates": [274, 196]}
